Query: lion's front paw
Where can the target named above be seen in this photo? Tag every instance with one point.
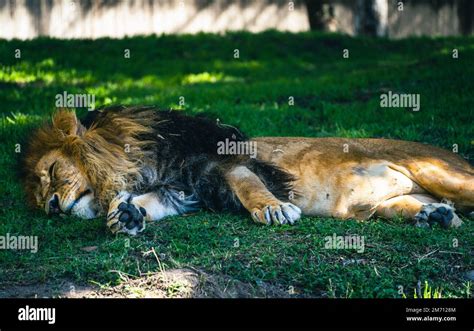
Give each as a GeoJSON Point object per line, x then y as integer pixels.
{"type": "Point", "coordinates": [125, 217]}
{"type": "Point", "coordinates": [277, 214]}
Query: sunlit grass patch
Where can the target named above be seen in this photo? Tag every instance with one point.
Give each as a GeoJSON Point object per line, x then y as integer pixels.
{"type": "Point", "coordinates": [206, 77]}
{"type": "Point", "coordinates": [18, 119]}
{"type": "Point", "coordinates": [25, 73]}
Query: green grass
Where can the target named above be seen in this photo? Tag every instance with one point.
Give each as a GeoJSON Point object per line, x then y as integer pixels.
{"type": "Point", "coordinates": [333, 97]}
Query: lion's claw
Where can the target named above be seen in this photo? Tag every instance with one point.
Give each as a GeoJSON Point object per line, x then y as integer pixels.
{"type": "Point", "coordinates": [277, 214]}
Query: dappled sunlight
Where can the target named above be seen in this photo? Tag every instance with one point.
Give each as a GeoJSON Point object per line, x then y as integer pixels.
{"type": "Point", "coordinates": [149, 80]}
{"type": "Point", "coordinates": [17, 75]}
{"type": "Point", "coordinates": [128, 90]}
{"type": "Point", "coordinates": [206, 77]}
{"type": "Point", "coordinates": [44, 72]}
{"type": "Point", "coordinates": [19, 119]}
{"type": "Point", "coordinates": [327, 89]}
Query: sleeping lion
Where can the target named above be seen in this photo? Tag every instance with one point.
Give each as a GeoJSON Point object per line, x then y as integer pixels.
{"type": "Point", "coordinates": [138, 164]}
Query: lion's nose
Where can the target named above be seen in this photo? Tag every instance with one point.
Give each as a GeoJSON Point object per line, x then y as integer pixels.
{"type": "Point", "coordinates": [54, 205]}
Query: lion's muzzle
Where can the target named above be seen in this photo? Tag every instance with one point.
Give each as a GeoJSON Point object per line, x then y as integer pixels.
{"type": "Point", "coordinates": [52, 207]}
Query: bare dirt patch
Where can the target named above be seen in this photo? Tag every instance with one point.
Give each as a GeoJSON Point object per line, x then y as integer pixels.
{"type": "Point", "coordinates": [174, 283]}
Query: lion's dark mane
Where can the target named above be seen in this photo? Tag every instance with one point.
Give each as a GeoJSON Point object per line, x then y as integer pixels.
{"type": "Point", "coordinates": [188, 165]}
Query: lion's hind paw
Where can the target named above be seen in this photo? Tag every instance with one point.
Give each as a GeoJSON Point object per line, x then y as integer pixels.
{"type": "Point", "coordinates": [440, 213]}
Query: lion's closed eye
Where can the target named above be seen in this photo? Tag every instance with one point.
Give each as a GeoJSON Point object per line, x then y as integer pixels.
{"type": "Point", "coordinates": [54, 172]}
{"type": "Point", "coordinates": [51, 170]}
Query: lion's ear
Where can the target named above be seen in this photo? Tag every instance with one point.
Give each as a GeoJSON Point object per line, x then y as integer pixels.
{"type": "Point", "coordinates": [67, 122]}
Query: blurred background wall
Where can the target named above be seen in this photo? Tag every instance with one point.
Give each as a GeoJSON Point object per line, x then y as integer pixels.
{"type": "Point", "coordinates": [25, 19]}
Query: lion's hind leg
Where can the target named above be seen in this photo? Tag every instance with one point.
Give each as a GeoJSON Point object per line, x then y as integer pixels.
{"type": "Point", "coordinates": [449, 178]}
{"type": "Point", "coordinates": [423, 209]}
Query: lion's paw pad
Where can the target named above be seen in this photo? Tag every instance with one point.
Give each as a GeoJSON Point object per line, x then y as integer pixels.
{"type": "Point", "coordinates": [440, 213]}
{"type": "Point", "coordinates": [277, 214]}
{"type": "Point", "coordinates": [127, 219]}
